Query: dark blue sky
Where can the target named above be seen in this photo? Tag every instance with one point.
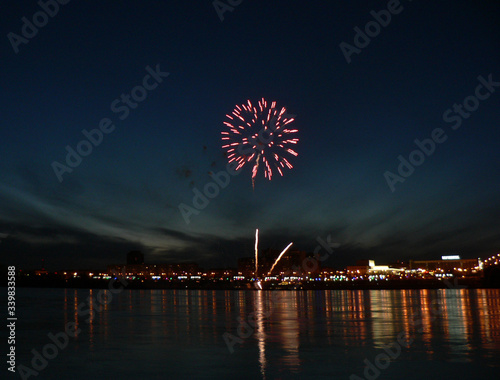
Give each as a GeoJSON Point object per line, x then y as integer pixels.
{"type": "Point", "coordinates": [354, 120]}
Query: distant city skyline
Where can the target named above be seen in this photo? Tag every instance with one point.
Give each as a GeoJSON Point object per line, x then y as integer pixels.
{"type": "Point", "coordinates": [293, 258]}
{"type": "Point", "coordinates": [293, 270]}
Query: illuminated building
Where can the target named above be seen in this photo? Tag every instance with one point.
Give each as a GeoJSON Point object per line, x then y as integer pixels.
{"type": "Point", "coordinates": [447, 265]}
{"type": "Point", "coordinates": [368, 268]}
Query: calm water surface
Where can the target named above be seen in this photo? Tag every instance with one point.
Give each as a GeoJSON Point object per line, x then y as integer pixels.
{"type": "Point", "coordinates": [177, 334]}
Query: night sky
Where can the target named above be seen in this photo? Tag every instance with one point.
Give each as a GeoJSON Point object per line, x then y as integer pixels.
{"type": "Point", "coordinates": [354, 120]}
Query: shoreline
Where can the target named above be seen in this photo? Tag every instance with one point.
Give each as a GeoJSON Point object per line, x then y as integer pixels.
{"type": "Point", "coordinates": [409, 284]}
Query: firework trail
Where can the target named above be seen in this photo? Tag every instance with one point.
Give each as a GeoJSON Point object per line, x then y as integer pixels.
{"type": "Point", "coordinates": [259, 134]}
{"type": "Point", "coordinates": [279, 257]}
{"type": "Point", "coordinates": [255, 170]}
{"type": "Point", "coordinates": [256, 250]}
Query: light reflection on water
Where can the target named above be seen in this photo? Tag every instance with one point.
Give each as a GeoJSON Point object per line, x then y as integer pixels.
{"type": "Point", "coordinates": [320, 334]}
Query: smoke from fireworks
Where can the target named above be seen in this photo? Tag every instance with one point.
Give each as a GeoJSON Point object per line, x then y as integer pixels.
{"type": "Point", "coordinates": [258, 134]}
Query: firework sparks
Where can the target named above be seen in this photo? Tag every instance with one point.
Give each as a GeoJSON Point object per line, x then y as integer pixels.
{"type": "Point", "coordinates": [258, 134]}
{"type": "Point", "coordinates": [279, 257]}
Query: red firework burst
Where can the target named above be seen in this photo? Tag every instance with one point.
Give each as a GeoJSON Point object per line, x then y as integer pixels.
{"type": "Point", "coordinates": [259, 134]}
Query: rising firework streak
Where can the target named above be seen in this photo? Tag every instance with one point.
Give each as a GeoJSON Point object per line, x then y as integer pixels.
{"type": "Point", "coordinates": [256, 250]}
{"type": "Point", "coordinates": [279, 257]}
